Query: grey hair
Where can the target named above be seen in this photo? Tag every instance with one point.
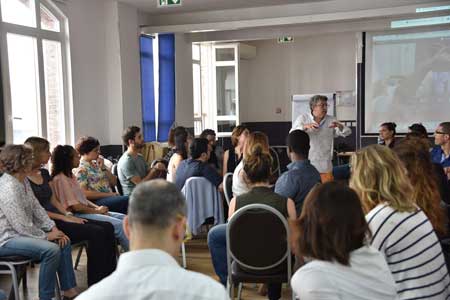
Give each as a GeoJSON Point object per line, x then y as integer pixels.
{"type": "Point", "coordinates": [316, 99]}
{"type": "Point", "coordinates": [156, 203]}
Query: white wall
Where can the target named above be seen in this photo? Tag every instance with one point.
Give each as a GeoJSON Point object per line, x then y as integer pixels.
{"type": "Point", "coordinates": [105, 67]}
{"type": "Point", "coordinates": [321, 63]}
{"type": "Point", "coordinates": [87, 30]}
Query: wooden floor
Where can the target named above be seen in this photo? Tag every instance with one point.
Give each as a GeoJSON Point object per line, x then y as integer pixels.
{"type": "Point", "coordinates": [198, 259]}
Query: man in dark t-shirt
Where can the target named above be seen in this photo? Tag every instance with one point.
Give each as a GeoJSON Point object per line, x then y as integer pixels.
{"type": "Point", "coordinates": [197, 165]}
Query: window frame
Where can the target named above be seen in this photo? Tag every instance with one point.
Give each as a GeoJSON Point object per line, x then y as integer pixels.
{"type": "Point", "coordinates": [39, 34]}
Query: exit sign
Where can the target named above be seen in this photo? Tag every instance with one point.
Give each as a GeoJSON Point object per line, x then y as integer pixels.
{"type": "Point", "coordinates": [164, 3]}
{"type": "Point", "coordinates": [285, 39]}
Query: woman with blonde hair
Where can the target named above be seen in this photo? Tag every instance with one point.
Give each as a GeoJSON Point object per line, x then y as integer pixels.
{"type": "Point", "coordinates": [255, 140]}
{"type": "Point", "coordinates": [400, 229]}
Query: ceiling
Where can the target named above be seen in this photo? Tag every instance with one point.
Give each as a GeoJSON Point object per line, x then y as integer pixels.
{"type": "Point", "coordinates": [151, 7]}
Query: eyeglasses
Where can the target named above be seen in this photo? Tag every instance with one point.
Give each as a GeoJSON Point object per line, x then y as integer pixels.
{"type": "Point", "coordinates": [322, 105]}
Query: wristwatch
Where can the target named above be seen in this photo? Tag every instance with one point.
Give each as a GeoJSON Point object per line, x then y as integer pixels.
{"type": "Point", "coordinates": [69, 213]}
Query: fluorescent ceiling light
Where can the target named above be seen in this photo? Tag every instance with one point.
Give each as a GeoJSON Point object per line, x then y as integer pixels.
{"type": "Point", "coordinates": [421, 22]}
{"type": "Point", "coordinates": [202, 30]}
{"type": "Point", "coordinates": [432, 8]}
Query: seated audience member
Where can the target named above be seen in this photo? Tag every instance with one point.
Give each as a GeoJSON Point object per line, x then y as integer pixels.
{"type": "Point", "coordinates": [301, 175]}
{"type": "Point", "coordinates": [419, 129]}
{"type": "Point", "coordinates": [413, 152]}
{"type": "Point", "coordinates": [387, 134]}
{"type": "Point", "coordinates": [26, 229]}
{"type": "Point", "coordinates": [179, 154]}
{"type": "Point", "coordinates": [420, 133]}
{"type": "Point", "coordinates": [257, 168]}
{"type": "Point", "coordinates": [401, 230]}
{"type": "Point", "coordinates": [158, 169]}
{"type": "Point", "coordinates": [132, 167]}
{"type": "Point", "coordinates": [210, 135]}
{"type": "Point", "coordinates": [233, 156]}
{"type": "Point", "coordinates": [171, 141]}
{"type": "Point", "coordinates": [197, 165]}
{"type": "Point", "coordinates": [155, 225]}
{"type": "Point", "coordinates": [71, 196]}
{"type": "Point", "coordinates": [95, 179]}
{"type": "Point", "coordinates": [255, 139]}
{"type": "Point", "coordinates": [332, 234]}
{"type": "Point", "coordinates": [101, 252]}
{"type": "Point", "coordinates": [441, 152]}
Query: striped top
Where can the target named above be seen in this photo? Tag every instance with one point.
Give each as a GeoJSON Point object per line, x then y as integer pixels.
{"type": "Point", "coordinates": [412, 251]}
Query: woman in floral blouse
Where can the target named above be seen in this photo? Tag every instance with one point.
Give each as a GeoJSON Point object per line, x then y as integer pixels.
{"type": "Point", "coordinates": [26, 229]}
{"type": "Point", "coordinates": [95, 179]}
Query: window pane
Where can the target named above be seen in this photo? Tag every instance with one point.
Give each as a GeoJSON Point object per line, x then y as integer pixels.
{"type": "Point", "coordinates": [226, 91]}
{"type": "Point", "coordinates": [48, 20]}
{"type": "Point", "coordinates": [225, 126]}
{"type": "Point", "coordinates": [24, 81]}
{"type": "Point", "coordinates": [197, 90]}
{"type": "Point", "coordinates": [54, 92]}
{"type": "Point", "coordinates": [225, 54]}
{"type": "Point", "coordinates": [20, 12]}
{"type": "Point", "coordinates": [195, 52]}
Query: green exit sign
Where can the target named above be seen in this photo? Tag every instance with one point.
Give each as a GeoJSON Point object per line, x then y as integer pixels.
{"type": "Point", "coordinates": [164, 3]}
{"type": "Point", "coordinates": [285, 39]}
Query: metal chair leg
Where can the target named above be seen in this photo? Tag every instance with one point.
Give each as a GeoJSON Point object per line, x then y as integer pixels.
{"type": "Point", "coordinates": [239, 291]}
{"type": "Point", "coordinates": [77, 261]}
{"type": "Point", "coordinates": [15, 282]}
{"type": "Point", "coordinates": [57, 288]}
{"type": "Point", "coordinates": [183, 254]}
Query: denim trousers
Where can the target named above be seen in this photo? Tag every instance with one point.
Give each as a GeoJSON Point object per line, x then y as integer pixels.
{"type": "Point", "coordinates": [52, 259]}
{"type": "Point", "coordinates": [116, 219]}
{"type": "Point", "coordinates": [217, 244]}
{"type": "Point", "coordinates": [115, 203]}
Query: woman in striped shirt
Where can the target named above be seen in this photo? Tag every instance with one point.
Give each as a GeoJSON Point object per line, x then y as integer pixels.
{"type": "Point", "coordinates": [400, 229]}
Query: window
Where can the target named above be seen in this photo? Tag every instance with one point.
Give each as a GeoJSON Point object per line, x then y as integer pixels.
{"type": "Point", "coordinates": [215, 76]}
{"type": "Point", "coordinates": [35, 70]}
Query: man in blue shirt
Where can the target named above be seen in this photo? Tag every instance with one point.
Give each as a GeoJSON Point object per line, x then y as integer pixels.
{"type": "Point", "coordinates": [301, 176]}
{"type": "Point", "coordinates": [197, 165]}
{"type": "Point", "coordinates": [441, 153]}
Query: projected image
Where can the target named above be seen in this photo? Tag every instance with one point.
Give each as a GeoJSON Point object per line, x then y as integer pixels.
{"type": "Point", "coordinates": [407, 80]}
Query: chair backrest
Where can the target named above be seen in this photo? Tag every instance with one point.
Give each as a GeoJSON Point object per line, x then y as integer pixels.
{"type": "Point", "coordinates": [276, 158]}
{"type": "Point", "coordinates": [228, 186]}
{"type": "Point", "coordinates": [203, 201]}
{"type": "Point", "coordinates": [115, 172]}
{"type": "Point", "coordinates": [255, 227]}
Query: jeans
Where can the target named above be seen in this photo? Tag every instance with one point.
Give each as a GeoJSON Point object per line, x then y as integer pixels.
{"type": "Point", "coordinates": [217, 244]}
{"type": "Point", "coordinates": [2, 295]}
{"type": "Point", "coordinates": [101, 250]}
{"type": "Point", "coordinates": [115, 203]}
{"type": "Point", "coordinates": [52, 259]}
{"type": "Point", "coordinates": [342, 172]}
{"type": "Point", "coordinates": [116, 220]}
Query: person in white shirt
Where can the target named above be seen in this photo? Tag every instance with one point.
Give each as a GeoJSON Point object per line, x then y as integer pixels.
{"type": "Point", "coordinates": [155, 225]}
{"type": "Point", "coordinates": [332, 235]}
{"type": "Point", "coordinates": [322, 129]}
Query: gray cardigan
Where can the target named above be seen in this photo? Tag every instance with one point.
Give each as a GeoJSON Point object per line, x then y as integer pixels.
{"type": "Point", "coordinates": [20, 211]}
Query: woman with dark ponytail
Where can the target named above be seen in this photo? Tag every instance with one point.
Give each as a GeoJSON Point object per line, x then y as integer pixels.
{"type": "Point", "coordinates": [257, 171]}
{"type": "Point", "coordinates": [387, 134]}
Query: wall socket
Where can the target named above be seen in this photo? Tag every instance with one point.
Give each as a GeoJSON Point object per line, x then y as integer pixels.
{"type": "Point", "coordinates": [278, 110]}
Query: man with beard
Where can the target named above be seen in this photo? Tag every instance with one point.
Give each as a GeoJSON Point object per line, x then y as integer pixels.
{"type": "Point", "coordinates": [132, 167]}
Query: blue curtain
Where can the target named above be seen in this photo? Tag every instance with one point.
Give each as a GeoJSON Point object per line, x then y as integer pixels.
{"type": "Point", "coordinates": [147, 89]}
{"type": "Point", "coordinates": [166, 115]}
